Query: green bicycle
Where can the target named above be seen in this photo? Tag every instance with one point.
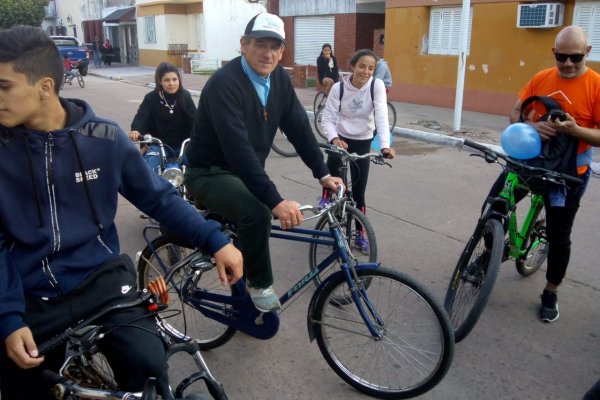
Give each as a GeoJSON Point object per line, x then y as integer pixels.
{"type": "Point", "coordinates": [477, 268]}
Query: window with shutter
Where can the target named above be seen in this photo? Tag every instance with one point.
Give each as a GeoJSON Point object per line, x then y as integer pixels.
{"type": "Point", "coordinates": [587, 16]}
{"type": "Point", "coordinates": [444, 30]}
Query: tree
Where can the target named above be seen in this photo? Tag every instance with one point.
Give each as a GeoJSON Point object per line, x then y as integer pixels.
{"type": "Point", "coordinates": [23, 12]}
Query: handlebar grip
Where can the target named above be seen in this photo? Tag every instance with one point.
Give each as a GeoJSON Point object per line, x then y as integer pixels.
{"type": "Point", "coordinates": [571, 179]}
{"type": "Point", "coordinates": [52, 343]}
{"type": "Point", "coordinates": [475, 145]}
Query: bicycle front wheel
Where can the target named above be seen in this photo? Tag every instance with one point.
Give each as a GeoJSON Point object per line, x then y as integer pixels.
{"type": "Point", "coordinates": [536, 245]}
{"type": "Point", "coordinates": [80, 80]}
{"type": "Point", "coordinates": [319, 101]}
{"type": "Point", "coordinates": [282, 146]}
{"type": "Point", "coordinates": [391, 115]}
{"type": "Point", "coordinates": [181, 315]}
{"type": "Point", "coordinates": [356, 227]}
{"type": "Point", "coordinates": [318, 126]}
{"type": "Point", "coordinates": [416, 345]}
{"type": "Point", "coordinates": [474, 277]}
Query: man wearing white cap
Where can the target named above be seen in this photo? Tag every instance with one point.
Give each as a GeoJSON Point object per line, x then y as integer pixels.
{"type": "Point", "coordinates": [240, 109]}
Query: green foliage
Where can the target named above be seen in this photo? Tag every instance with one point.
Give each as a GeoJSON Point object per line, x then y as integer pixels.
{"type": "Point", "coordinates": [22, 12]}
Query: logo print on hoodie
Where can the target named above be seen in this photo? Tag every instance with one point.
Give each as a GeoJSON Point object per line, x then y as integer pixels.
{"type": "Point", "coordinates": [90, 175]}
{"type": "Point", "coordinates": [355, 105]}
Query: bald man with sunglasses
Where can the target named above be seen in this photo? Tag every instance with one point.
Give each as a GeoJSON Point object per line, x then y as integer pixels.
{"type": "Point", "coordinates": [577, 89]}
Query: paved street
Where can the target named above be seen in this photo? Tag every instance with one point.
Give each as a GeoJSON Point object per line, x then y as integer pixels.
{"type": "Point", "coordinates": [423, 210]}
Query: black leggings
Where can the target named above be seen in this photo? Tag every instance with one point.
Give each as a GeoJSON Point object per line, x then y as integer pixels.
{"type": "Point", "coordinates": [135, 351]}
{"type": "Point", "coordinates": [559, 224]}
{"type": "Point", "coordinates": [359, 170]}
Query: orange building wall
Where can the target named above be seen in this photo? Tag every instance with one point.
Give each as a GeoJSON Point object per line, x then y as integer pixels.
{"type": "Point", "coordinates": [502, 57]}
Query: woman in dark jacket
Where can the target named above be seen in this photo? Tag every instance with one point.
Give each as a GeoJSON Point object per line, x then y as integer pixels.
{"type": "Point", "coordinates": [327, 68]}
{"type": "Point", "coordinates": [107, 52]}
{"type": "Point", "coordinates": [166, 113]}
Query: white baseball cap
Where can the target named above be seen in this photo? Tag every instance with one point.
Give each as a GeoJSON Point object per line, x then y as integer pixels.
{"type": "Point", "coordinates": [265, 25]}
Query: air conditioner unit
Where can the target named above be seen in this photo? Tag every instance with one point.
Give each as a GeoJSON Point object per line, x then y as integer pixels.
{"type": "Point", "coordinates": [540, 15]}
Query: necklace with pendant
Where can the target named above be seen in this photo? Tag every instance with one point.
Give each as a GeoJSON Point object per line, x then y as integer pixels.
{"type": "Point", "coordinates": [170, 107]}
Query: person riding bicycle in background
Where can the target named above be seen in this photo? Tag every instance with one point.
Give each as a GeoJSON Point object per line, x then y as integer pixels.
{"type": "Point", "coordinates": [355, 107]}
{"type": "Point", "coordinates": [240, 109]}
{"type": "Point", "coordinates": [60, 181]}
{"type": "Point", "coordinates": [327, 68]}
{"type": "Point", "coordinates": [577, 90]}
{"type": "Point", "coordinates": [166, 113]}
{"type": "Point", "coordinates": [382, 71]}
{"type": "Point", "coordinates": [68, 66]}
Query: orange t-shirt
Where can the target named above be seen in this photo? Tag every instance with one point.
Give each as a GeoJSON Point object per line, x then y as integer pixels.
{"type": "Point", "coordinates": [579, 97]}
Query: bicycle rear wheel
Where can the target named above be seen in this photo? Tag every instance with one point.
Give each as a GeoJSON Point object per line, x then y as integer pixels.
{"type": "Point", "coordinates": [474, 277]}
{"type": "Point", "coordinates": [282, 146]}
{"type": "Point", "coordinates": [180, 314]}
{"type": "Point", "coordinates": [319, 101]}
{"type": "Point", "coordinates": [80, 80]}
{"type": "Point", "coordinates": [350, 221]}
{"type": "Point", "coordinates": [536, 244]}
{"type": "Point", "coordinates": [318, 127]}
{"type": "Point", "coordinates": [391, 115]}
{"type": "Point", "coordinates": [416, 345]}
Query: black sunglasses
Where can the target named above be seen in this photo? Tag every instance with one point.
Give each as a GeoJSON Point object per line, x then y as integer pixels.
{"type": "Point", "coordinates": [575, 58]}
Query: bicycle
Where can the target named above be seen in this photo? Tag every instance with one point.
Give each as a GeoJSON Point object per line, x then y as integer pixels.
{"type": "Point", "coordinates": [477, 268]}
{"type": "Point", "coordinates": [78, 77]}
{"type": "Point", "coordinates": [367, 320]}
{"type": "Point", "coordinates": [86, 374]}
{"type": "Point", "coordinates": [318, 117]}
{"type": "Point", "coordinates": [171, 168]}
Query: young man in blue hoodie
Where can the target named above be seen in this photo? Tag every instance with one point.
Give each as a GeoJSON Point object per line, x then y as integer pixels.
{"type": "Point", "coordinates": [61, 173]}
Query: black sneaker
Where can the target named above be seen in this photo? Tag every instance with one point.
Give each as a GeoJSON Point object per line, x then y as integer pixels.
{"type": "Point", "coordinates": [549, 309]}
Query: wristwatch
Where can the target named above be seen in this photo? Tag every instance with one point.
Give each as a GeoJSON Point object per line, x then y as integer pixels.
{"type": "Point", "coordinates": [322, 179]}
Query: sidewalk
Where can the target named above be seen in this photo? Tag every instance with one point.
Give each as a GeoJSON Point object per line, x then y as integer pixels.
{"type": "Point", "coordinates": [416, 121]}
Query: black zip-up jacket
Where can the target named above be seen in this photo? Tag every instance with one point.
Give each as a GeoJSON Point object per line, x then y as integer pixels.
{"type": "Point", "coordinates": [235, 132]}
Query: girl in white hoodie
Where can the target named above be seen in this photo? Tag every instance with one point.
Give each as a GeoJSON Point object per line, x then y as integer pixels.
{"type": "Point", "coordinates": [349, 121]}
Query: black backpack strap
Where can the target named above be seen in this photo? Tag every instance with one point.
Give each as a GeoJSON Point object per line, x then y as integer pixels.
{"type": "Point", "coordinates": [341, 95]}
{"type": "Point", "coordinates": [549, 104]}
{"type": "Point", "coordinates": [372, 90]}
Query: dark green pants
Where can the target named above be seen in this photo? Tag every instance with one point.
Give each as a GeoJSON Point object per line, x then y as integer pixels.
{"type": "Point", "coordinates": [225, 194]}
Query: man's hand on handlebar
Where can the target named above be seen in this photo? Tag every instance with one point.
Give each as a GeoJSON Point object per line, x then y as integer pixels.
{"type": "Point", "coordinates": [229, 264]}
{"type": "Point", "coordinates": [289, 214]}
{"type": "Point", "coordinates": [332, 183]}
{"type": "Point", "coordinates": [21, 348]}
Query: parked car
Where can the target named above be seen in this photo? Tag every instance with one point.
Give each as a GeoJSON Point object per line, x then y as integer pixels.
{"type": "Point", "coordinates": [75, 51]}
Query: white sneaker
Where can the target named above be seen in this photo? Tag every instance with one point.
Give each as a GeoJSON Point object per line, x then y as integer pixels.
{"type": "Point", "coordinates": [265, 300]}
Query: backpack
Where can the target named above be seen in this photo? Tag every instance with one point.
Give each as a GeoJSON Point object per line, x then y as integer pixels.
{"type": "Point", "coordinates": [558, 153]}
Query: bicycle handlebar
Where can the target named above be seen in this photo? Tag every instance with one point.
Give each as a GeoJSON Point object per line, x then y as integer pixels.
{"type": "Point", "coordinates": [375, 158]}
{"type": "Point", "coordinates": [492, 156]}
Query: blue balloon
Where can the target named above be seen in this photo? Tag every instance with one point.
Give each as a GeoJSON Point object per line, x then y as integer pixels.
{"type": "Point", "coordinates": [521, 141]}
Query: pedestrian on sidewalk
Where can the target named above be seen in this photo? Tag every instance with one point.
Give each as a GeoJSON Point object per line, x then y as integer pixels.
{"type": "Point", "coordinates": [107, 53]}
{"type": "Point", "coordinates": [327, 68]}
{"type": "Point", "coordinates": [96, 52]}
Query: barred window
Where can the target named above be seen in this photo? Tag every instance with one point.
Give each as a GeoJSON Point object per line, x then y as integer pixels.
{"type": "Point", "coordinates": [149, 30]}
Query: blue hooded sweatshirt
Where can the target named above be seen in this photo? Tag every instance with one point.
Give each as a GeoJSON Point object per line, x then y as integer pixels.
{"type": "Point", "coordinates": [58, 201]}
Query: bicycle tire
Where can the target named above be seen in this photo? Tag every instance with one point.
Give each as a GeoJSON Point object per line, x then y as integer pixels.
{"type": "Point", "coordinates": [318, 127]}
{"type": "Point", "coordinates": [319, 101]}
{"type": "Point", "coordinates": [417, 346]}
{"type": "Point", "coordinates": [80, 80]}
{"type": "Point", "coordinates": [90, 369]}
{"type": "Point", "coordinates": [537, 247]}
{"type": "Point", "coordinates": [207, 332]}
{"type": "Point", "coordinates": [391, 116]}
{"type": "Point", "coordinates": [318, 252]}
{"type": "Point", "coordinates": [282, 146]}
{"type": "Point", "coordinates": [470, 289]}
